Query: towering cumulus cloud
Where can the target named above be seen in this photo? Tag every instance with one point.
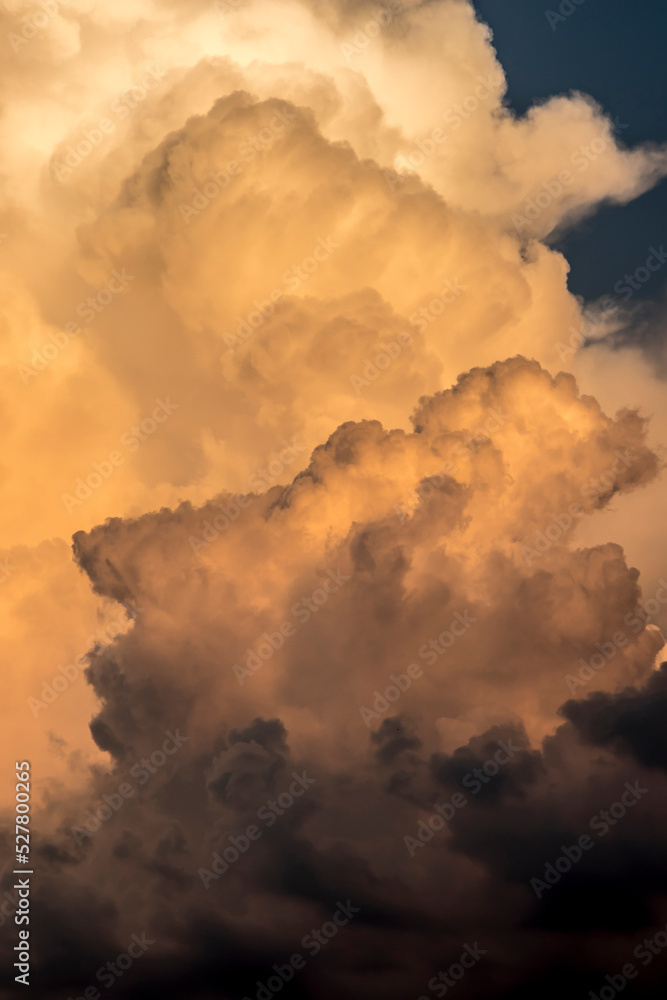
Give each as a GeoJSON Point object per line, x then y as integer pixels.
{"type": "Point", "coordinates": [338, 692]}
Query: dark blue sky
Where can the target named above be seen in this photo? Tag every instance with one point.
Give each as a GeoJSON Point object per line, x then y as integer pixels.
{"type": "Point", "coordinates": [613, 50]}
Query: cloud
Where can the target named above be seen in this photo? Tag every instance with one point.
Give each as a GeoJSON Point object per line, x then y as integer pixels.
{"type": "Point", "coordinates": [366, 592]}
{"type": "Point", "coordinates": [287, 230]}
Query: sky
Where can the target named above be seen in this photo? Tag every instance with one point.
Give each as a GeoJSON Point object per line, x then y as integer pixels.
{"type": "Point", "coordinates": [332, 508]}
{"type": "Point", "coordinates": [612, 52]}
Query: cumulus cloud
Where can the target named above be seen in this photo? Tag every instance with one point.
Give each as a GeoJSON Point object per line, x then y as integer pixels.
{"type": "Point", "coordinates": [314, 564]}
{"type": "Point", "coordinates": [406, 640]}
